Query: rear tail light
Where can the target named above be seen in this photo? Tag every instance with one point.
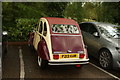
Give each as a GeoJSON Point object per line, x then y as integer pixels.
{"type": "Point", "coordinates": [81, 55]}
{"type": "Point", "coordinates": [55, 56]}
{"type": "Point", "coordinates": [78, 65]}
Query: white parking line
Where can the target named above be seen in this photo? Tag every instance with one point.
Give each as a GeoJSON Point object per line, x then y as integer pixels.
{"type": "Point", "coordinates": [0, 61]}
{"type": "Point", "coordinates": [105, 71]}
{"type": "Point", "coordinates": [22, 72]}
{"type": "Point", "coordinates": [0, 69]}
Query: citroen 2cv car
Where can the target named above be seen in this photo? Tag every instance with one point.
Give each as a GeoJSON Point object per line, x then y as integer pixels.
{"type": "Point", "coordinates": [58, 41]}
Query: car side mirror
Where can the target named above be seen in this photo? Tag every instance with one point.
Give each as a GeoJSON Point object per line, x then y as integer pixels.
{"type": "Point", "coordinates": [5, 33]}
{"type": "Point", "coordinates": [96, 34]}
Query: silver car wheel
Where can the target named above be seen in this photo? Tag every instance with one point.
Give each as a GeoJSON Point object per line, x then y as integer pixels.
{"type": "Point", "coordinates": [105, 59]}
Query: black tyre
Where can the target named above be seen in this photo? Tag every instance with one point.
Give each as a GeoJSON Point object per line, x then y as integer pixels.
{"type": "Point", "coordinates": [42, 63]}
{"type": "Point", "coordinates": [105, 59]}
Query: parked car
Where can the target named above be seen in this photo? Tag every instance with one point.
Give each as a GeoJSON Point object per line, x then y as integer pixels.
{"type": "Point", "coordinates": [103, 41]}
{"type": "Point", "coordinates": [58, 41]}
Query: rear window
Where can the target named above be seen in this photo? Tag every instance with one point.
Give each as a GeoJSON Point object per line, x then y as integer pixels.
{"type": "Point", "coordinates": [62, 28]}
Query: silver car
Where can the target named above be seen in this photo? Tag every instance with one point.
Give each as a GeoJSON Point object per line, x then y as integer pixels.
{"type": "Point", "coordinates": [103, 41]}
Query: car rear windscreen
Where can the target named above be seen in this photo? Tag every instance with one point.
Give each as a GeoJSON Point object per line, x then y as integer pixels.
{"type": "Point", "coordinates": [63, 28]}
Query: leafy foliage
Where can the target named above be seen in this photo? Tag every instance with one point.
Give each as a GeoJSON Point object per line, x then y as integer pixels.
{"type": "Point", "coordinates": [74, 11]}
{"type": "Point", "coordinates": [21, 30]}
{"type": "Point", "coordinates": [110, 12]}
{"type": "Point", "coordinates": [89, 10]}
{"type": "Point", "coordinates": [54, 9]}
{"type": "Point", "coordinates": [20, 17]}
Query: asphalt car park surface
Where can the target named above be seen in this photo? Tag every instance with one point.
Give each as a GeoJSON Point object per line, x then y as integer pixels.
{"type": "Point", "coordinates": [21, 62]}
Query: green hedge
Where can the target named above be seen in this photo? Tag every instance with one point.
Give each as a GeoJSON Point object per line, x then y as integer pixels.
{"type": "Point", "coordinates": [20, 31]}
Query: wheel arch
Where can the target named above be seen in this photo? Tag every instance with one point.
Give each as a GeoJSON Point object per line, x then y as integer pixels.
{"type": "Point", "coordinates": [42, 50]}
{"type": "Point", "coordinates": [104, 48]}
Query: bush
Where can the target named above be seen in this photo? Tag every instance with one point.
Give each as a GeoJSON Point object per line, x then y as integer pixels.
{"type": "Point", "coordinates": [21, 30]}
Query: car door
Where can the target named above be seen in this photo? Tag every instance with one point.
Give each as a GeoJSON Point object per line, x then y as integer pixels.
{"type": "Point", "coordinates": [85, 28]}
{"type": "Point", "coordinates": [93, 42]}
{"type": "Point", "coordinates": [37, 37]}
{"type": "Point", "coordinates": [35, 33]}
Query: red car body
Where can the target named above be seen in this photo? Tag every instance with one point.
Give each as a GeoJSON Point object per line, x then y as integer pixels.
{"type": "Point", "coordinates": [58, 41]}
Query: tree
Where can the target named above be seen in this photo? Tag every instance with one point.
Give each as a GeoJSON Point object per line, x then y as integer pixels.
{"type": "Point", "coordinates": [54, 9]}
{"type": "Point", "coordinates": [89, 9]}
{"type": "Point", "coordinates": [108, 12]}
{"type": "Point", "coordinates": [18, 18]}
{"type": "Point", "coordinates": [74, 11]}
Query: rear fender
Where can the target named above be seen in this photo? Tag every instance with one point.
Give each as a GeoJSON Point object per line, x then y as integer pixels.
{"type": "Point", "coordinates": [43, 50]}
{"type": "Point", "coordinates": [31, 36]}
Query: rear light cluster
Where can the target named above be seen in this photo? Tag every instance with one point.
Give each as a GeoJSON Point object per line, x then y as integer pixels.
{"type": "Point", "coordinates": [55, 56]}
{"type": "Point", "coordinates": [81, 55]}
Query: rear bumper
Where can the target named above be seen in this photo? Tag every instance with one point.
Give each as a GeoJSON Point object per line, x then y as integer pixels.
{"type": "Point", "coordinates": [68, 62]}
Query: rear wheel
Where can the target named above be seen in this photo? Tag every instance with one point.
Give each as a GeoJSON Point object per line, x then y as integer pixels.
{"type": "Point", "coordinates": [105, 59]}
{"type": "Point", "coordinates": [42, 63]}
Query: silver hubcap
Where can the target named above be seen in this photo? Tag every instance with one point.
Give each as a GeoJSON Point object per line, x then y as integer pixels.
{"type": "Point", "coordinates": [104, 59]}
{"type": "Point", "coordinates": [39, 61]}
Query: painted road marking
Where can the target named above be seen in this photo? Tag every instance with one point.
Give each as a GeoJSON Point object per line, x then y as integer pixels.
{"type": "Point", "coordinates": [0, 69]}
{"type": "Point", "coordinates": [0, 60]}
{"type": "Point", "coordinates": [105, 71]}
{"type": "Point", "coordinates": [22, 71]}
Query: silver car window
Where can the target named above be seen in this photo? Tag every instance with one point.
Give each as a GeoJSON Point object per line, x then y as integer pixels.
{"type": "Point", "coordinates": [92, 29]}
{"type": "Point", "coordinates": [84, 27]}
{"type": "Point", "coordinates": [110, 31]}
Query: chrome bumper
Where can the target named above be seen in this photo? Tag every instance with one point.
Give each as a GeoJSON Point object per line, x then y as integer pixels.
{"type": "Point", "coordinates": [68, 63]}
